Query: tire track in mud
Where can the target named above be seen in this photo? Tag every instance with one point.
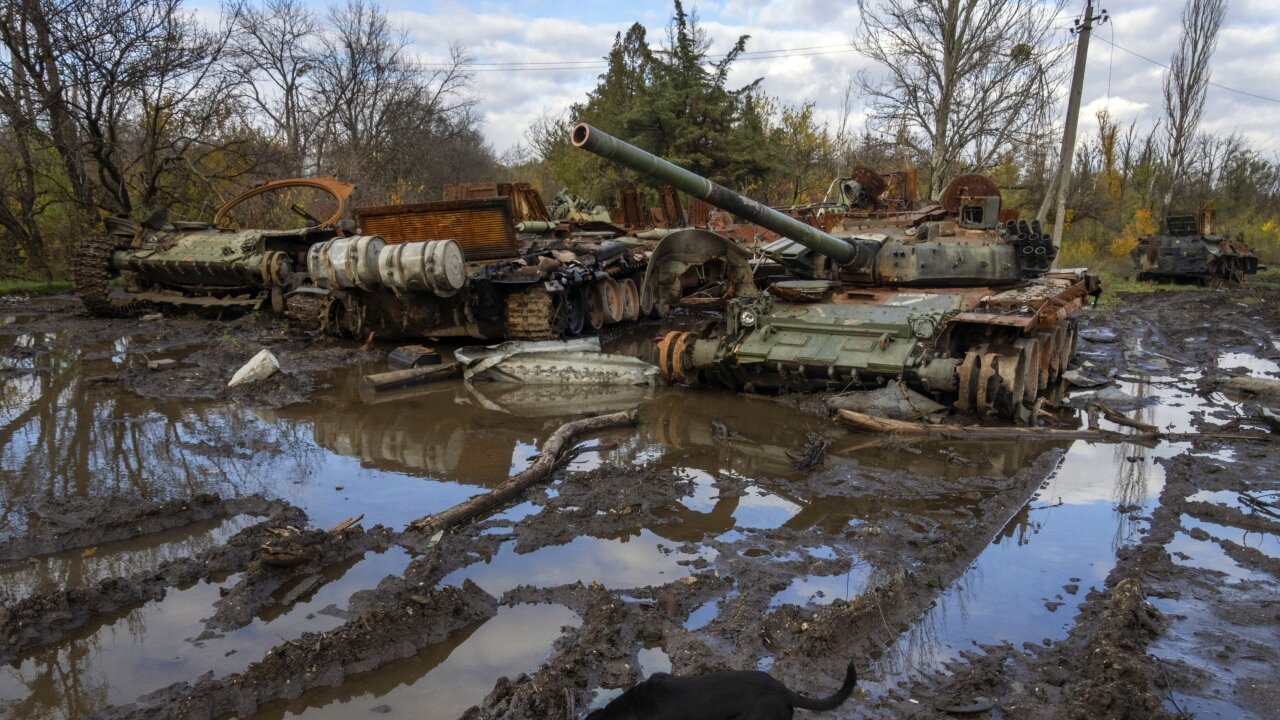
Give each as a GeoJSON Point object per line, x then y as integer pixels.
{"type": "Point", "coordinates": [60, 524]}
{"type": "Point", "coordinates": [399, 618]}
{"type": "Point", "coordinates": [48, 618]}
{"type": "Point", "coordinates": [811, 646]}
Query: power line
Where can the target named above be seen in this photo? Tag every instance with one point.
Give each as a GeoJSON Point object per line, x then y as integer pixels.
{"type": "Point", "coordinates": [1166, 67]}
{"type": "Point", "coordinates": [599, 64]}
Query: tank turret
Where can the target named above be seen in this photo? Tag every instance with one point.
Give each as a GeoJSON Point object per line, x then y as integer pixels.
{"type": "Point", "coordinates": [945, 298]}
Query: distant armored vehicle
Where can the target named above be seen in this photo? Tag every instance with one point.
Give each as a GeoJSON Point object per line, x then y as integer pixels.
{"type": "Point", "coordinates": [944, 297]}
{"type": "Point", "coordinates": [1189, 253]}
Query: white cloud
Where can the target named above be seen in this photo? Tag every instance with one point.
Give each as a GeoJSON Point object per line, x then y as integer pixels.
{"type": "Point", "coordinates": [548, 31]}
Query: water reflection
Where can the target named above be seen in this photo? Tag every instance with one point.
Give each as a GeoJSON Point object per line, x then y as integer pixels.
{"type": "Point", "coordinates": [71, 569]}
{"type": "Point", "coordinates": [116, 659]}
{"type": "Point", "coordinates": [443, 680]}
{"type": "Point", "coordinates": [64, 436]}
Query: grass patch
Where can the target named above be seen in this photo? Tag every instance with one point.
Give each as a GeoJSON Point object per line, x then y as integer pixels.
{"type": "Point", "coordinates": [33, 287]}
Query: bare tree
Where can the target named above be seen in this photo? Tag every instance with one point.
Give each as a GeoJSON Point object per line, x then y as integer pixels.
{"type": "Point", "coordinates": [273, 52]}
{"type": "Point", "coordinates": [391, 116]}
{"type": "Point", "coordinates": [1187, 82]}
{"type": "Point", "coordinates": [127, 92]}
{"type": "Point", "coordinates": [968, 79]}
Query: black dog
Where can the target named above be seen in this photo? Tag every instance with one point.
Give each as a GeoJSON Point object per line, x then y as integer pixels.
{"type": "Point", "coordinates": [732, 695]}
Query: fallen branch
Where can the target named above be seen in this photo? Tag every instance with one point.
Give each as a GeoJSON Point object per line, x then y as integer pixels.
{"type": "Point", "coordinates": [396, 379]}
{"type": "Point", "coordinates": [1120, 418]}
{"type": "Point", "coordinates": [541, 468]}
{"type": "Point", "coordinates": [868, 423]}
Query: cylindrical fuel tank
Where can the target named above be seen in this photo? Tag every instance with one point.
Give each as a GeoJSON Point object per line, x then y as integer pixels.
{"type": "Point", "coordinates": [347, 262]}
{"type": "Point", "coordinates": [433, 266]}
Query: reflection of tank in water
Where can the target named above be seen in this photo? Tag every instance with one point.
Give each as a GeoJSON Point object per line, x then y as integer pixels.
{"type": "Point", "coordinates": [945, 297]}
{"type": "Point", "coordinates": [446, 444]}
{"type": "Point", "coordinates": [1192, 253]}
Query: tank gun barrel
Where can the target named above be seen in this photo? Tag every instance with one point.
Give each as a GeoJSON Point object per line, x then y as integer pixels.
{"type": "Point", "coordinates": [610, 148]}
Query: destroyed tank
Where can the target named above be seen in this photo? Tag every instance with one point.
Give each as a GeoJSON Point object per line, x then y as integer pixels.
{"type": "Point", "coordinates": [452, 268]}
{"type": "Point", "coordinates": [1191, 253]}
{"type": "Point", "coordinates": [945, 298]}
{"type": "Point", "coordinates": [202, 264]}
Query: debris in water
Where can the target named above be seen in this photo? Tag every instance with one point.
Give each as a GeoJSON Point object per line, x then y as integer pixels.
{"type": "Point", "coordinates": [813, 453]}
{"type": "Point", "coordinates": [895, 401]}
{"type": "Point", "coordinates": [412, 356]}
{"type": "Point", "coordinates": [554, 362]}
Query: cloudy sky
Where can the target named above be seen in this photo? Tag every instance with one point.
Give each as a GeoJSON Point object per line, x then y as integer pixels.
{"type": "Point", "coordinates": [542, 55]}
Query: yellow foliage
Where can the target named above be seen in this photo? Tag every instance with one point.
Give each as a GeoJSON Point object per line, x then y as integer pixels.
{"type": "Point", "coordinates": [1143, 223]}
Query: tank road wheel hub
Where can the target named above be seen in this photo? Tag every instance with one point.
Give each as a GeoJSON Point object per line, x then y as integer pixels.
{"type": "Point", "coordinates": [672, 349]}
{"type": "Point", "coordinates": [611, 300]}
{"type": "Point", "coordinates": [630, 300]}
{"type": "Point", "coordinates": [595, 306]}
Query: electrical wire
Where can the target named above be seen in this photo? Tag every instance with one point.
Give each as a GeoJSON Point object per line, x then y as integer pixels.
{"type": "Point", "coordinates": [1166, 67]}
{"type": "Point", "coordinates": [549, 65]}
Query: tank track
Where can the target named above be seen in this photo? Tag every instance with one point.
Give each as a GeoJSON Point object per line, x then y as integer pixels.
{"type": "Point", "coordinates": [305, 311]}
{"type": "Point", "coordinates": [530, 315]}
{"type": "Point", "coordinates": [91, 277]}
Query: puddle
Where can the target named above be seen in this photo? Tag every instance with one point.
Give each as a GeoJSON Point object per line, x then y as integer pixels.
{"type": "Point", "coordinates": [653, 660]}
{"type": "Point", "coordinates": [1266, 543]}
{"type": "Point", "coordinates": [443, 680]}
{"type": "Point", "coordinates": [1254, 364]}
{"type": "Point", "coordinates": [396, 459]}
{"type": "Point", "coordinates": [823, 589]}
{"type": "Point", "coordinates": [633, 562]}
{"type": "Point", "coordinates": [118, 659]}
{"type": "Point", "coordinates": [72, 569]}
{"type": "Point", "coordinates": [1209, 555]}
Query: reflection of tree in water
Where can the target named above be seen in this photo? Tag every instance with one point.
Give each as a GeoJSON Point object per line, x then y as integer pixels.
{"type": "Point", "coordinates": [64, 437]}
{"type": "Point", "coordinates": [71, 570]}
{"type": "Point", "coordinates": [919, 649]}
{"type": "Point", "coordinates": [60, 682]}
{"type": "Point", "coordinates": [1132, 472]}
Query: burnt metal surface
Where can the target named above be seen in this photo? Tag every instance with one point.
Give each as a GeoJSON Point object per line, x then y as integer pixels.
{"type": "Point", "coordinates": [482, 227]}
{"type": "Point", "coordinates": [338, 190]}
{"type": "Point", "coordinates": [946, 298]}
{"type": "Point", "coordinates": [1189, 253]}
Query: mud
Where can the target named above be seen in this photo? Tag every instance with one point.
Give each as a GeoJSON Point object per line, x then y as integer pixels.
{"type": "Point", "coordinates": [60, 524]}
{"type": "Point", "coordinates": [43, 618]}
{"type": "Point", "coordinates": [689, 545]}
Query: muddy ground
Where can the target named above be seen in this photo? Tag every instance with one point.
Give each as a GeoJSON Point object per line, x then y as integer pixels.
{"type": "Point", "coordinates": [997, 579]}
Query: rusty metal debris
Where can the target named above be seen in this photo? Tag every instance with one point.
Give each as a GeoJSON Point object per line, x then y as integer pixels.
{"type": "Point", "coordinates": [484, 265]}
{"type": "Point", "coordinates": [949, 298]}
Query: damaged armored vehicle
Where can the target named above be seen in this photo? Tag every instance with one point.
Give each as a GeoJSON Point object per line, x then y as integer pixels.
{"type": "Point", "coordinates": [1190, 252]}
{"type": "Point", "coordinates": [946, 297]}
{"type": "Point", "coordinates": [436, 269]}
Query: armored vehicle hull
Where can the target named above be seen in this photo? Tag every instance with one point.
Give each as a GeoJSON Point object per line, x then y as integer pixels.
{"type": "Point", "coordinates": [1188, 255]}
{"type": "Point", "coordinates": [945, 298]}
{"type": "Point", "coordinates": [452, 268]}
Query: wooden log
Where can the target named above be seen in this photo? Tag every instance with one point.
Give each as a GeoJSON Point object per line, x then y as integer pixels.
{"type": "Point", "coordinates": [1119, 418]}
{"type": "Point", "coordinates": [540, 470]}
{"type": "Point", "coordinates": [396, 379]}
{"type": "Point", "coordinates": [868, 423]}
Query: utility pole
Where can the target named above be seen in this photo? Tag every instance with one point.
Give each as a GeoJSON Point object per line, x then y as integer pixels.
{"type": "Point", "coordinates": [1081, 31]}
